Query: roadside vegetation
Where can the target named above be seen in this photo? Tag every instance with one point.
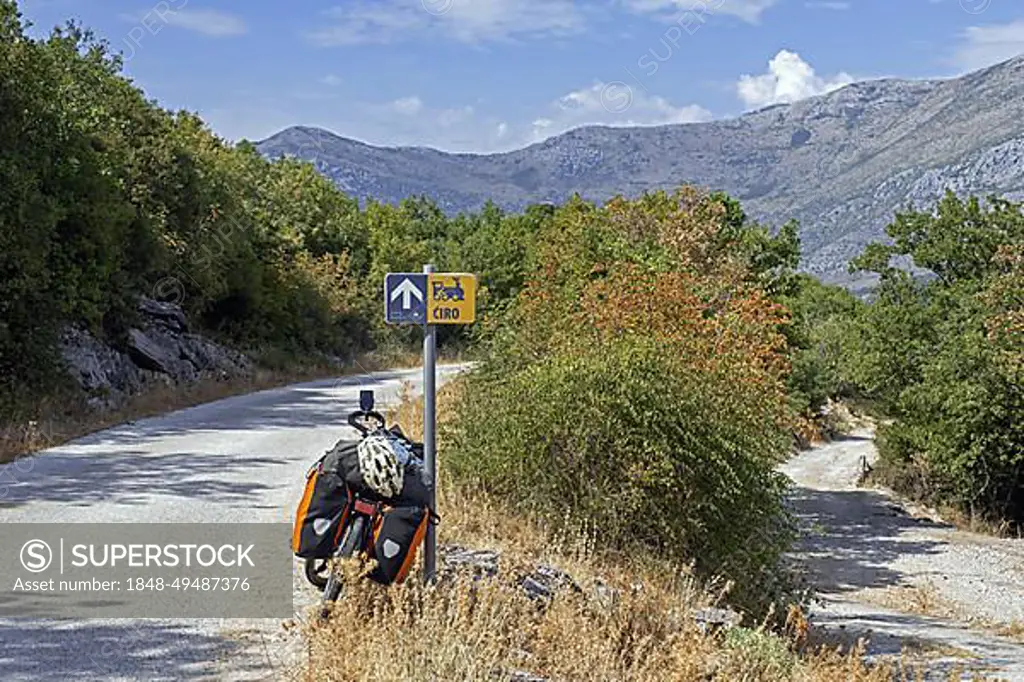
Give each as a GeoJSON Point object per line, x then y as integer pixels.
{"type": "Point", "coordinates": [105, 196]}
{"type": "Point", "coordinates": [943, 357]}
{"type": "Point", "coordinates": [632, 620]}
{"type": "Point", "coordinates": [638, 386]}
{"type": "Point", "coordinates": [645, 364]}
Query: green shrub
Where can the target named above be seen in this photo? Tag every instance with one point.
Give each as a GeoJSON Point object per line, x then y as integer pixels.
{"type": "Point", "coordinates": [637, 388]}
{"type": "Point", "coordinates": [645, 452]}
{"type": "Point", "coordinates": [820, 334]}
{"type": "Point", "coordinates": [756, 655]}
{"type": "Point", "coordinates": [943, 356]}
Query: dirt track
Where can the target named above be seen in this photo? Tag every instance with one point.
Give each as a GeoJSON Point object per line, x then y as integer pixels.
{"type": "Point", "coordinates": [900, 580]}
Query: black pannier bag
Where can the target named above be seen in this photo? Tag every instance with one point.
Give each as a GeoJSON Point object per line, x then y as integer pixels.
{"type": "Point", "coordinates": [416, 448]}
{"type": "Point", "coordinates": [397, 535]}
{"type": "Point", "coordinates": [323, 509]}
{"type": "Point", "coordinates": [415, 486]}
{"type": "Point", "coordinates": [343, 458]}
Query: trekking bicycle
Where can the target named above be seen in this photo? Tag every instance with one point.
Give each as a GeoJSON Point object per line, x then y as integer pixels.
{"type": "Point", "coordinates": [344, 514]}
{"type": "Point", "coordinates": [361, 513]}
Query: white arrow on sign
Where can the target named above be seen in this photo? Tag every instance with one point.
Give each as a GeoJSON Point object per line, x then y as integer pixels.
{"type": "Point", "coordinates": [407, 290]}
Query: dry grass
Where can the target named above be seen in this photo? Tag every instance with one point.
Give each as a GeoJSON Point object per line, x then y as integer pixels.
{"type": "Point", "coordinates": [489, 630]}
{"type": "Point", "coordinates": [923, 600]}
{"type": "Point", "coordinates": [632, 621]}
{"type": "Point", "coordinates": [1013, 630]}
{"type": "Point", "coordinates": [971, 523]}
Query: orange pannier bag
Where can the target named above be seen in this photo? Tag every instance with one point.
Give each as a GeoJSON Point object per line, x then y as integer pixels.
{"type": "Point", "coordinates": [397, 535]}
{"type": "Point", "coordinates": [321, 514]}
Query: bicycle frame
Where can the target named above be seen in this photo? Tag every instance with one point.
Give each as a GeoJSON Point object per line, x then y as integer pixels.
{"type": "Point", "coordinates": [355, 539]}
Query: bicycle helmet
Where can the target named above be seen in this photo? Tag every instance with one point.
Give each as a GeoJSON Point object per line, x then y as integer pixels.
{"type": "Point", "coordinates": [382, 461]}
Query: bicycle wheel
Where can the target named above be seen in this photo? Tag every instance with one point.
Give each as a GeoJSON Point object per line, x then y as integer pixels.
{"type": "Point", "coordinates": [316, 572]}
{"type": "Point", "coordinates": [353, 537]}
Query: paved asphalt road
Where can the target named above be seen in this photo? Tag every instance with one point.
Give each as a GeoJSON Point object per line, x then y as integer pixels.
{"type": "Point", "coordinates": [241, 459]}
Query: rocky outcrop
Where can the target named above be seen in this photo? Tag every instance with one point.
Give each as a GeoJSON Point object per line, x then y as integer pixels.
{"type": "Point", "coordinates": [161, 350]}
{"type": "Point", "coordinates": [167, 315]}
{"type": "Point", "coordinates": [542, 583]}
{"type": "Point", "coordinates": [99, 370]}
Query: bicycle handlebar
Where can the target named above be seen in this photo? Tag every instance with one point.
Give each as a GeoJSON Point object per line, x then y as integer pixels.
{"type": "Point", "coordinates": [359, 414]}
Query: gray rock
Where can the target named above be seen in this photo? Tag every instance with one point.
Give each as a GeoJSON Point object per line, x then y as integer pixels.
{"type": "Point", "coordinates": [541, 583]}
{"type": "Point", "coordinates": [207, 356]}
{"type": "Point", "coordinates": [167, 315]}
{"type": "Point", "coordinates": [148, 353]}
{"type": "Point", "coordinates": [88, 361]}
{"type": "Point", "coordinates": [107, 376]}
{"type": "Point", "coordinates": [712, 620]}
{"type": "Point", "coordinates": [535, 589]}
{"type": "Point", "coordinates": [545, 581]}
{"type": "Point", "coordinates": [162, 353]}
{"type": "Point", "coordinates": [482, 563]}
{"type": "Point", "coordinates": [184, 357]}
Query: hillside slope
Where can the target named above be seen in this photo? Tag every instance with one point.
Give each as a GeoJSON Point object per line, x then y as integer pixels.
{"type": "Point", "coordinates": [839, 163]}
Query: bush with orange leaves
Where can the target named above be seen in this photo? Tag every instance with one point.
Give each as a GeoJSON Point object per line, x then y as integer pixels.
{"type": "Point", "coordinates": [638, 387]}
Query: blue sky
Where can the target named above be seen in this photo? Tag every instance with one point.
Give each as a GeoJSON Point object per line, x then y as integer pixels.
{"type": "Point", "coordinates": [489, 75]}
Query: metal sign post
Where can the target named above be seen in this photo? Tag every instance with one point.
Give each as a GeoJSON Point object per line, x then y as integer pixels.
{"type": "Point", "coordinates": [429, 442]}
{"type": "Point", "coordinates": [430, 299]}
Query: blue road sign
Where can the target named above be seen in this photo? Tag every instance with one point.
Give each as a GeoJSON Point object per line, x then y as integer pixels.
{"type": "Point", "coordinates": [405, 298]}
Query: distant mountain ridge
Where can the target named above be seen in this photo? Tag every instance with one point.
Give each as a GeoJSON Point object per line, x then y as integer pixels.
{"type": "Point", "coordinates": [840, 163]}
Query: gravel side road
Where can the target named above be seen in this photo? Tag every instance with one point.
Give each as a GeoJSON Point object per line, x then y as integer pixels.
{"type": "Point", "coordinates": [241, 459]}
{"type": "Point", "coordinates": [902, 580]}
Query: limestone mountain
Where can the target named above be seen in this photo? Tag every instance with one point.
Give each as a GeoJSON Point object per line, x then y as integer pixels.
{"type": "Point", "coordinates": [840, 163]}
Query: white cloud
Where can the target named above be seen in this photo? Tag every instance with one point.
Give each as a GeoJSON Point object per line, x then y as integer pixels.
{"type": "Point", "coordinates": [476, 21]}
{"type": "Point", "coordinates": [209, 22]}
{"type": "Point", "coordinates": [983, 46]}
{"type": "Point", "coordinates": [611, 104]}
{"type": "Point", "coordinates": [470, 21]}
{"type": "Point", "coordinates": [455, 116]}
{"type": "Point", "coordinates": [749, 11]}
{"type": "Point", "coordinates": [789, 78]}
{"type": "Point", "coordinates": [331, 80]}
{"type": "Point", "coordinates": [828, 4]}
{"type": "Point", "coordinates": [408, 106]}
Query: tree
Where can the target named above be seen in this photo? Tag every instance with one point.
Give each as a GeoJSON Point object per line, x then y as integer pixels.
{"type": "Point", "coordinates": [943, 355]}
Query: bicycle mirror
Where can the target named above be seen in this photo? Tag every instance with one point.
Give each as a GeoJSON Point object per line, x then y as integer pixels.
{"type": "Point", "coordinates": [366, 400]}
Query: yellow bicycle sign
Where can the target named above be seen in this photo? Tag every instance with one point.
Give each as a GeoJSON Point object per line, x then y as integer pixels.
{"type": "Point", "coordinates": [451, 298]}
